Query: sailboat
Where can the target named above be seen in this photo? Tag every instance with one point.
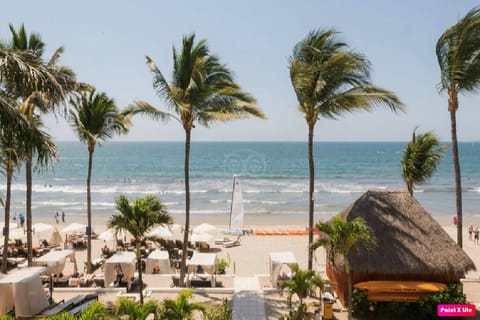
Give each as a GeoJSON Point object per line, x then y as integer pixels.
{"type": "Point", "coordinates": [237, 212]}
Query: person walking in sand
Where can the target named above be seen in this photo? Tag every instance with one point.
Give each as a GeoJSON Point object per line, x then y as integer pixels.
{"type": "Point", "coordinates": [56, 217]}
{"type": "Point", "coordinates": [63, 216]}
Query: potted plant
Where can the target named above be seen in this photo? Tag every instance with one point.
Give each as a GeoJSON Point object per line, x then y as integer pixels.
{"type": "Point", "coordinates": [222, 266]}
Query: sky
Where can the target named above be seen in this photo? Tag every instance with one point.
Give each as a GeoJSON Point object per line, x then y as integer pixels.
{"type": "Point", "coordinates": [106, 43]}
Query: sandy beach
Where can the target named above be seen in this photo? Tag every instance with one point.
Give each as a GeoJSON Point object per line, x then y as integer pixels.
{"type": "Point", "coordinates": [251, 258]}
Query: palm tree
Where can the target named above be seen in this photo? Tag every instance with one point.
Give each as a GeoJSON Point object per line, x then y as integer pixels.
{"type": "Point", "coordinates": [458, 50]}
{"type": "Point", "coordinates": [52, 86]}
{"type": "Point", "coordinates": [94, 118]}
{"type": "Point", "coordinates": [421, 157]}
{"type": "Point", "coordinates": [202, 90]}
{"type": "Point", "coordinates": [10, 158]}
{"type": "Point", "coordinates": [134, 311]}
{"type": "Point", "coordinates": [300, 284]}
{"type": "Point", "coordinates": [180, 308]}
{"type": "Point", "coordinates": [339, 237]}
{"type": "Point", "coordinates": [329, 79]}
{"type": "Point", "coordinates": [138, 219]}
{"type": "Point", "coordinates": [94, 311]}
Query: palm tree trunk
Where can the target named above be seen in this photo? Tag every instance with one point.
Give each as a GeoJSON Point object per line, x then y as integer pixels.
{"type": "Point", "coordinates": [187, 208]}
{"type": "Point", "coordinates": [9, 172]}
{"type": "Point", "coordinates": [89, 210]}
{"type": "Point", "coordinates": [28, 173]}
{"type": "Point", "coordinates": [458, 181]}
{"type": "Point", "coordinates": [349, 281]}
{"type": "Point", "coordinates": [311, 167]}
{"type": "Point", "coordinates": [139, 264]}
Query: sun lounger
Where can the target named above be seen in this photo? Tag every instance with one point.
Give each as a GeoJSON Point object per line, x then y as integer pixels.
{"type": "Point", "coordinates": [232, 243]}
{"type": "Point", "coordinates": [223, 240]}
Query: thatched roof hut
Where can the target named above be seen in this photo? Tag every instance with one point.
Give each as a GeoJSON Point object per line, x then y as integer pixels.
{"type": "Point", "coordinates": [411, 245]}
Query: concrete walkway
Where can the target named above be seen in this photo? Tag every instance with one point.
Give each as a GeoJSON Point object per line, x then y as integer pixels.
{"type": "Point", "coordinates": [248, 302]}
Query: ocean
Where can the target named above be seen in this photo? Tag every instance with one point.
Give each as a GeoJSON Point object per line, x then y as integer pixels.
{"type": "Point", "coordinates": [274, 178]}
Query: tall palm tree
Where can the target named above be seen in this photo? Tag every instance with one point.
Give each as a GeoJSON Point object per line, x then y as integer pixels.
{"type": "Point", "coordinates": [52, 87]}
{"type": "Point", "coordinates": [339, 237]}
{"type": "Point", "coordinates": [201, 90]}
{"type": "Point", "coordinates": [458, 51]}
{"type": "Point", "coordinates": [421, 157]}
{"type": "Point", "coordinates": [94, 118]}
{"type": "Point", "coordinates": [10, 158]}
{"type": "Point", "coordinates": [138, 219]}
{"type": "Point", "coordinates": [329, 79]}
{"type": "Point", "coordinates": [180, 308]}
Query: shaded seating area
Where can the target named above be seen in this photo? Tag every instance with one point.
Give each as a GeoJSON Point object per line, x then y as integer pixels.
{"type": "Point", "coordinates": [201, 270]}
{"type": "Point", "coordinates": [55, 261]}
{"type": "Point", "coordinates": [414, 248]}
{"type": "Point", "coordinates": [119, 269]}
{"type": "Point", "coordinates": [22, 291]}
{"type": "Point", "coordinates": [158, 261]}
{"type": "Point", "coordinates": [278, 261]}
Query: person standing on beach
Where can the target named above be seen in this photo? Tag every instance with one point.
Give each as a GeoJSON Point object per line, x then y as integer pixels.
{"type": "Point", "coordinates": [21, 217]}
{"type": "Point", "coordinates": [56, 217]}
{"type": "Point", "coordinates": [63, 216]}
{"type": "Point", "coordinates": [476, 235]}
{"type": "Point", "coordinates": [470, 232]}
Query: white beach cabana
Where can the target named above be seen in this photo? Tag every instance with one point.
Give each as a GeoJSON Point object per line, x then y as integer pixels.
{"type": "Point", "coordinates": [277, 261]}
{"type": "Point", "coordinates": [160, 259]}
{"type": "Point", "coordinates": [207, 261]}
{"type": "Point", "coordinates": [125, 260]}
{"type": "Point", "coordinates": [23, 290]}
{"type": "Point", "coordinates": [55, 260]}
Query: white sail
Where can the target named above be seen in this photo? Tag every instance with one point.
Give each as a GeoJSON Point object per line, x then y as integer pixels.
{"type": "Point", "coordinates": [236, 210]}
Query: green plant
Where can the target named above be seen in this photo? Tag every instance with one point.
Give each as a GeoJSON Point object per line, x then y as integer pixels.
{"type": "Point", "coordinates": [218, 312]}
{"type": "Point", "coordinates": [297, 314]}
{"type": "Point", "coordinates": [453, 294]}
{"type": "Point", "coordinates": [222, 266]}
{"type": "Point", "coordinates": [180, 308]}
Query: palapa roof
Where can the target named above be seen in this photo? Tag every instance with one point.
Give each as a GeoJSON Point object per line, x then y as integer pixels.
{"type": "Point", "coordinates": [409, 241]}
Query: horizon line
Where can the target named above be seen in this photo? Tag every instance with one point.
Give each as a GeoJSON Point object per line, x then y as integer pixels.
{"type": "Point", "coordinates": [263, 141]}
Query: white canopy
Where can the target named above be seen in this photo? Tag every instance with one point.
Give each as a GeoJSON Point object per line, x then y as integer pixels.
{"type": "Point", "coordinates": [159, 259]}
{"type": "Point", "coordinates": [206, 260]}
{"type": "Point", "coordinates": [277, 260]}
{"type": "Point", "coordinates": [74, 227]}
{"type": "Point", "coordinates": [126, 262]}
{"type": "Point", "coordinates": [23, 290]}
{"type": "Point", "coordinates": [54, 260]}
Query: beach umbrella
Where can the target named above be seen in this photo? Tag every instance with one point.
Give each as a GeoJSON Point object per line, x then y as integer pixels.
{"type": "Point", "coordinates": [41, 227]}
{"type": "Point", "coordinates": [204, 227]}
{"type": "Point", "coordinates": [55, 238]}
{"type": "Point", "coordinates": [17, 234]}
{"type": "Point", "coordinates": [11, 225]}
{"type": "Point", "coordinates": [160, 232]}
{"type": "Point", "coordinates": [74, 227]}
{"type": "Point", "coordinates": [109, 235]}
{"type": "Point", "coordinates": [201, 237]}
